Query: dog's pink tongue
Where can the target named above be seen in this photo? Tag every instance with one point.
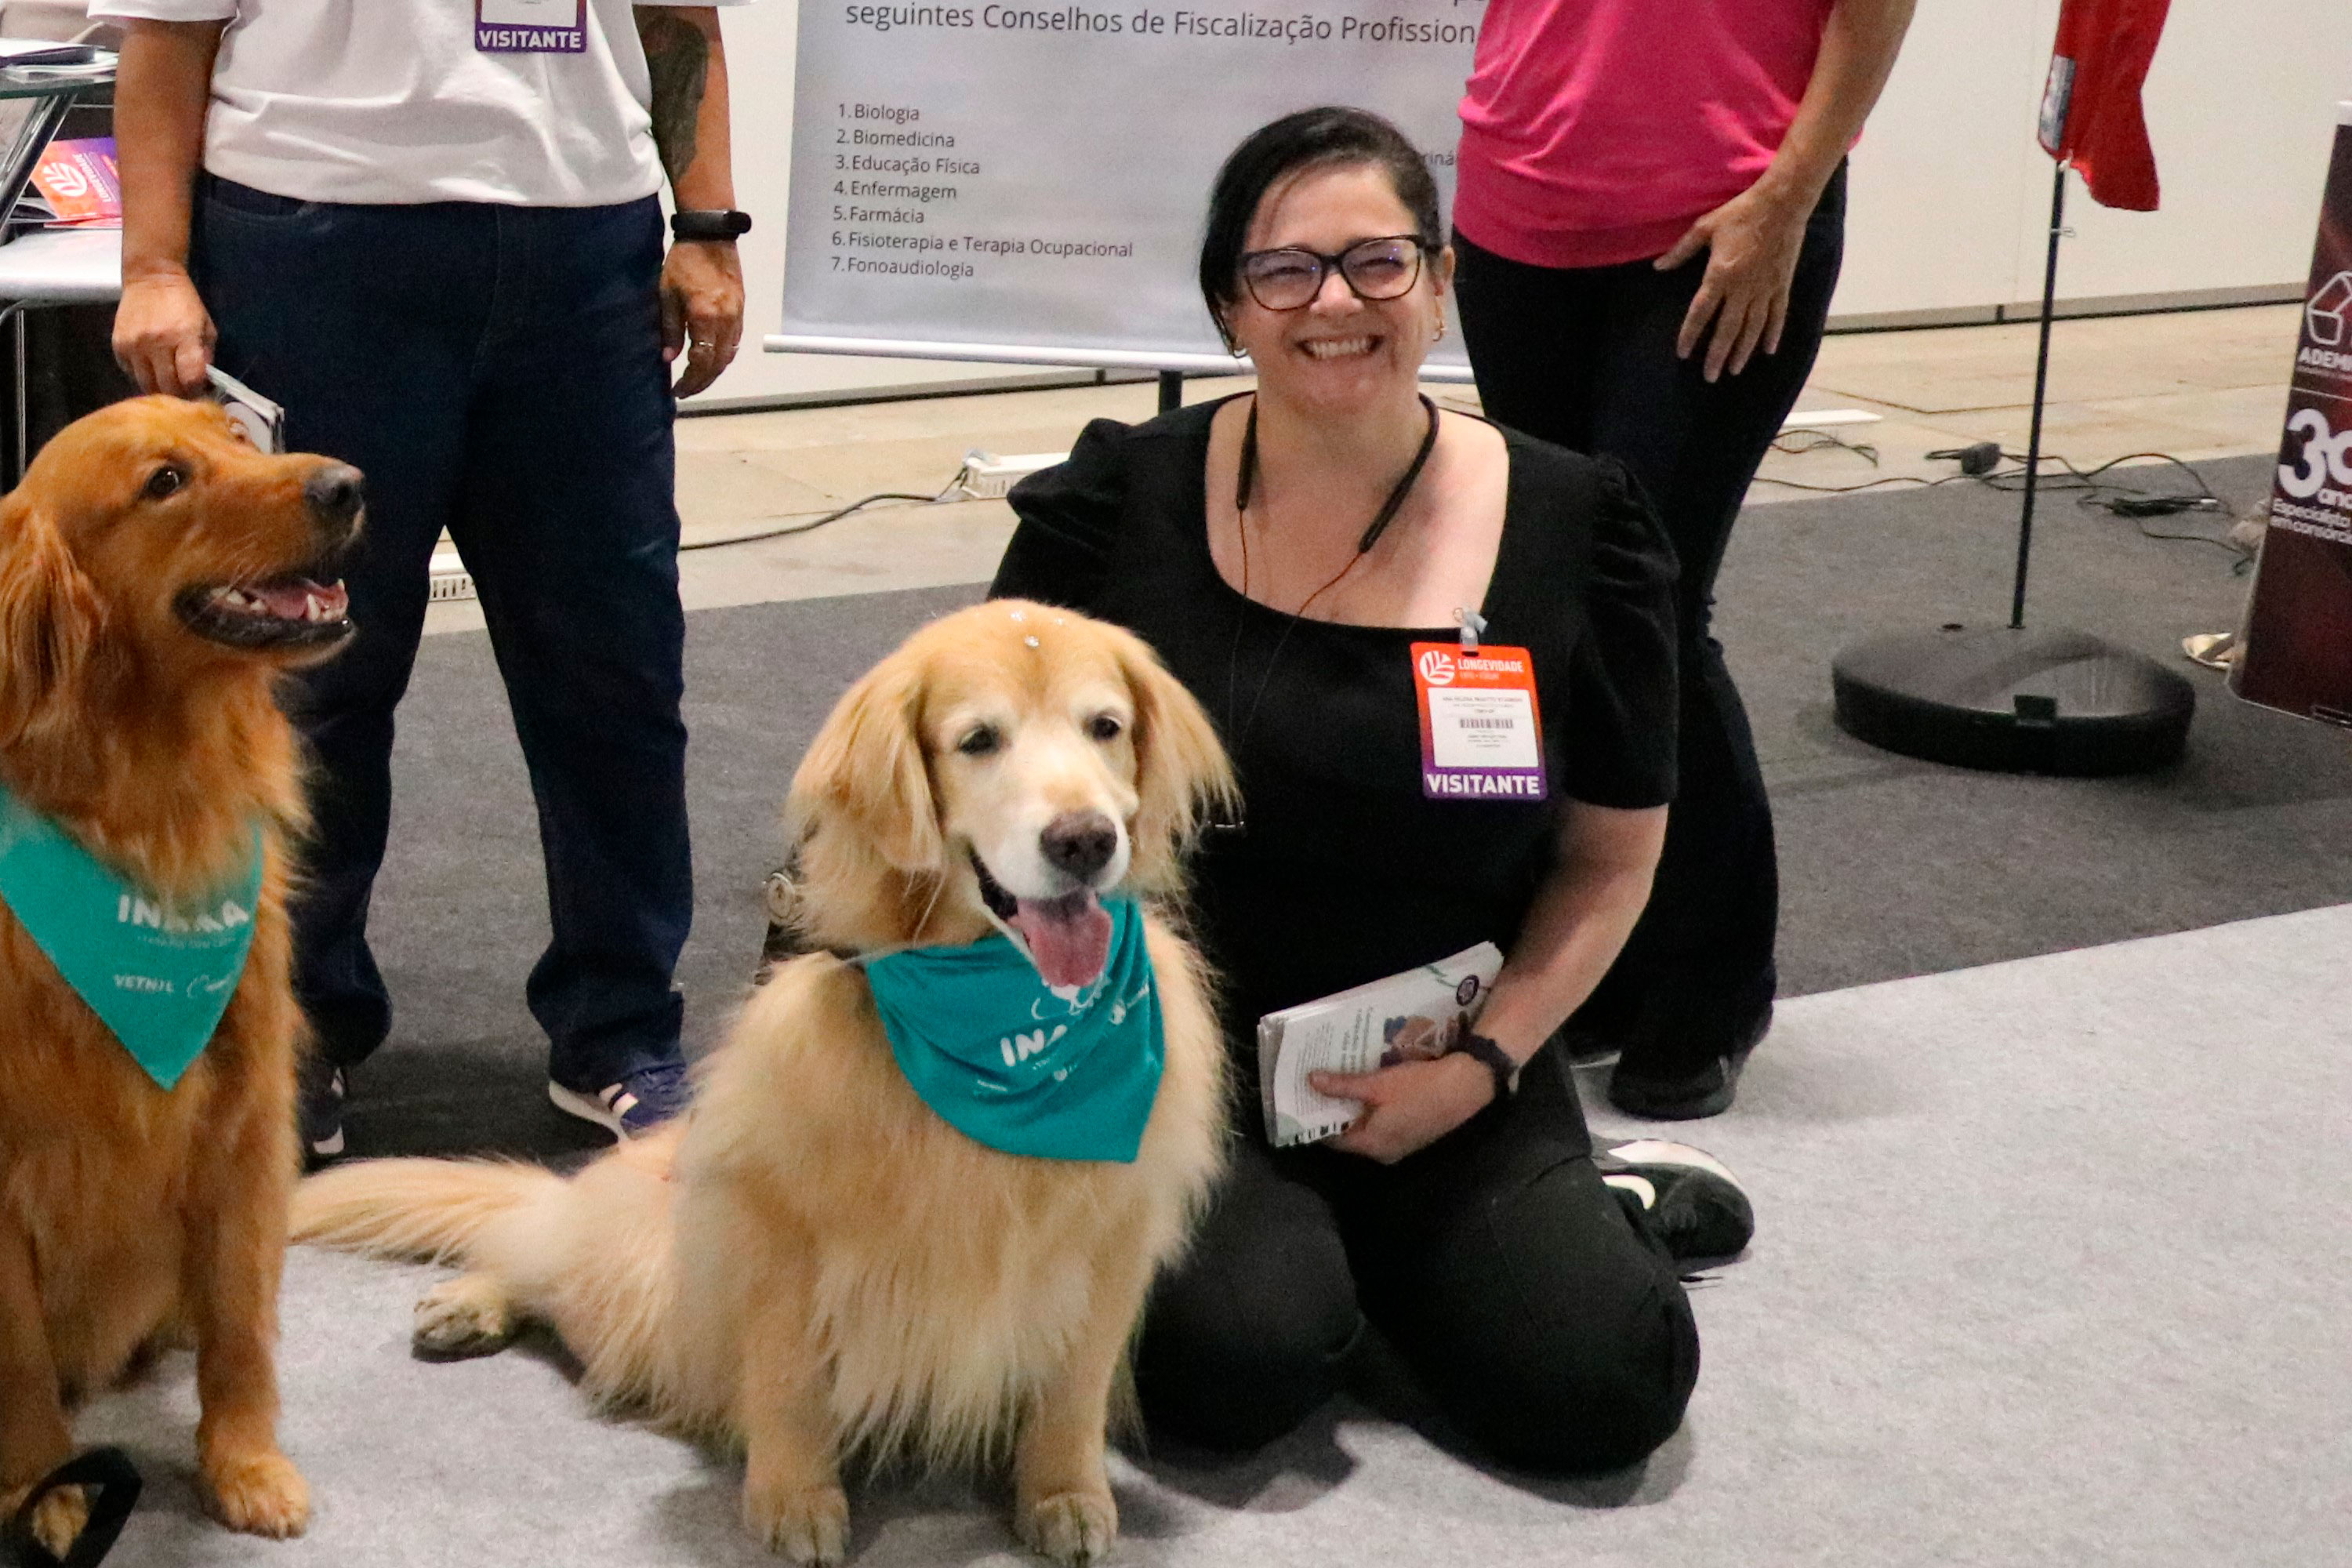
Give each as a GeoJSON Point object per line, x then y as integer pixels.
{"type": "Point", "coordinates": [1069, 937]}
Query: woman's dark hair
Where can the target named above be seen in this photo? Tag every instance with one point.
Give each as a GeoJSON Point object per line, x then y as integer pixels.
{"type": "Point", "coordinates": [1310, 139]}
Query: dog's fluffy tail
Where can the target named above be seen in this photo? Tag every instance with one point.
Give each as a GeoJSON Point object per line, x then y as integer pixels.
{"type": "Point", "coordinates": [590, 1255]}
{"type": "Point", "coordinates": [431, 1210]}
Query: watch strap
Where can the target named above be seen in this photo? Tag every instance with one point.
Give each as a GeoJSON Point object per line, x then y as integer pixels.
{"type": "Point", "coordinates": [694, 224]}
{"type": "Point", "coordinates": [1496, 1060]}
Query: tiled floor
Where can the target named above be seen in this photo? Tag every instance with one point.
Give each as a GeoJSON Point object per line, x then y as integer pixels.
{"type": "Point", "coordinates": [2195, 385]}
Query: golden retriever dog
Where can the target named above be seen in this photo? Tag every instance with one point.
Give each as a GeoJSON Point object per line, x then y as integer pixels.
{"type": "Point", "coordinates": [157, 574]}
{"type": "Point", "coordinates": [811, 1263]}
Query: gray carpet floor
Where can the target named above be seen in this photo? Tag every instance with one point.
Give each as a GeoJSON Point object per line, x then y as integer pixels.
{"type": "Point", "coordinates": [2044, 1271]}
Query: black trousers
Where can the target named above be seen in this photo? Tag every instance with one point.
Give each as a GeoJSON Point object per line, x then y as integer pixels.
{"type": "Point", "coordinates": [1530, 1302]}
{"type": "Point", "coordinates": [1585, 357]}
{"type": "Point", "coordinates": [496, 370]}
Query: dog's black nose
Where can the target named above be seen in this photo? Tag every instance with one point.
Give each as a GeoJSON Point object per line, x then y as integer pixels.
{"type": "Point", "coordinates": [1080, 843]}
{"type": "Point", "coordinates": [335, 492]}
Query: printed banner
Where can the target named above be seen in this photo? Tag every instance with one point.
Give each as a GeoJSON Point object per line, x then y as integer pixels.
{"type": "Point", "coordinates": [2298, 630]}
{"type": "Point", "coordinates": [984, 173]}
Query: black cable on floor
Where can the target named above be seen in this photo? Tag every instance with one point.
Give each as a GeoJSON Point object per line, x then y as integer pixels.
{"type": "Point", "coordinates": [2134, 502]}
{"type": "Point", "coordinates": [835, 516]}
{"type": "Point", "coordinates": [1798, 441]}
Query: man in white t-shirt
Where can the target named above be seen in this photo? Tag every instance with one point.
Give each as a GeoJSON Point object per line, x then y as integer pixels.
{"type": "Point", "coordinates": [430, 228]}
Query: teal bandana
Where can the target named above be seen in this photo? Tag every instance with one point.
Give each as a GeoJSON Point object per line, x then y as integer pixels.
{"type": "Point", "coordinates": [1008, 1062]}
{"type": "Point", "coordinates": [159, 976]}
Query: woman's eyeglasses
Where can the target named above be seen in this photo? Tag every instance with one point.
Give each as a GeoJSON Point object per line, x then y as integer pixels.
{"type": "Point", "coordinates": [1290, 278]}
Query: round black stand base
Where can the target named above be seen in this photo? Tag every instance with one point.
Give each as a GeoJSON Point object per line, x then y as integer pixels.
{"type": "Point", "coordinates": [2012, 700]}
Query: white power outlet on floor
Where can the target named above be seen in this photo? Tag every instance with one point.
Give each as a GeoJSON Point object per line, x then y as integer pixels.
{"type": "Point", "coordinates": [987, 477]}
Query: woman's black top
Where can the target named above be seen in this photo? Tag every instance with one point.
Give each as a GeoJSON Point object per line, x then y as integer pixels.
{"type": "Point", "coordinates": [1343, 872]}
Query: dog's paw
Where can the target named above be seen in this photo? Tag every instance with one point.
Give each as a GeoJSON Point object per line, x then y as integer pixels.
{"type": "Point", "coordinates": [1072, 1529]}
{"type": "Point", "coordinates": [807, 1524]}
{"type": "Point", "coordinates": [57, 1520]}
{"type": "Point", "coordinates": [263, 1494]}
{"type": "Point", "coordinates": [468, 1316]}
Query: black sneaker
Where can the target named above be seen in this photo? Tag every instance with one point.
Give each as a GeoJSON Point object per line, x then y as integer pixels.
{"type": "Point", "coordinates": [1596, 1032]}
{"type": "Point", "coordinates": [1588, 1047]}
{"type": "Point", "coordinates": [638, 1103]}
{"type": "Point", "coordinates": [1696, 1206]}
{"type": "Point", "coordinates": [320, 1091]}
{"type": "Point", "coordinates": [1687, 1095]}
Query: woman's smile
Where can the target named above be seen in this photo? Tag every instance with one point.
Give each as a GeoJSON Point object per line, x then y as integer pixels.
{"type": "Point", "coordinates": [1353, 347]}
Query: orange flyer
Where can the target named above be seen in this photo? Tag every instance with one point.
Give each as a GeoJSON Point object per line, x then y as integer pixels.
{"type": "Point", "coordinates": [79, 182]}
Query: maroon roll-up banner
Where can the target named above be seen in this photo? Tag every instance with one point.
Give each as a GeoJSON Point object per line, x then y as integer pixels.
{"type": "Point", "coordinates": [2298, 630]}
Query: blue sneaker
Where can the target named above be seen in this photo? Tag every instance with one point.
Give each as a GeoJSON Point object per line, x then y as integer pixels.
{"type": "Point", "coordinates": [632, 1108]}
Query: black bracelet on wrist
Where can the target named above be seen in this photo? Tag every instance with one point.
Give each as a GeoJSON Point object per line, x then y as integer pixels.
{"type": "Point", "coordinates": [709, 224]}
{"type": "Point", "coordinates": [1496, 1060]}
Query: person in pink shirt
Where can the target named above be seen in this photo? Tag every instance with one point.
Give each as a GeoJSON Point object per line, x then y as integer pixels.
{"type": "Point", "coordinates": [1649, 221]}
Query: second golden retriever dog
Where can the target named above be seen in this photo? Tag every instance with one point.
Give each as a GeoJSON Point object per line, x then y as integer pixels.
{"type": "Point", "coordinates": [816, 1263]}
{"type": "Point", "coordinates": [157, 574]}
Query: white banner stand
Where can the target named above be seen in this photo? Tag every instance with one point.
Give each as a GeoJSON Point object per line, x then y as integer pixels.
{"type": "Point", "coordinates": [1012, 185]}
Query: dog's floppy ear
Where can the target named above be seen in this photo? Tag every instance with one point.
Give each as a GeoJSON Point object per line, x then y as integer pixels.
{"type": "Point", "coordinates": [49, 616]}
{"type": "Point", "coordinates": [1181, 771]}
{"type": "Point", "coordinates": [865, 772]}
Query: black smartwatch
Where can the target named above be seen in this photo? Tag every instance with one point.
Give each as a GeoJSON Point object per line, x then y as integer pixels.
{"type": "Point", "coordinates": [1496, 1060]}
{"type": "Point", "coordinates": [709, 224]}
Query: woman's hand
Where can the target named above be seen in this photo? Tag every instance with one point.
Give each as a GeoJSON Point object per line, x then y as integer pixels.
{"type": "Point", "coordinates": [1751, 243]}
{"type": "Point", "coordinates": [163, 334]}
{"type": "Point", "coordinates": [1407, 1107]}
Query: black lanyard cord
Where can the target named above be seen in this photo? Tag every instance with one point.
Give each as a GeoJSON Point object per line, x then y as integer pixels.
{"type": "Point", "coordinates": [1247, 483]}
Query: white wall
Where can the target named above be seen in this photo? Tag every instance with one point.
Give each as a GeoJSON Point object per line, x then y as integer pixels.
{"type": "Point", "coordinates": [1950, 194]}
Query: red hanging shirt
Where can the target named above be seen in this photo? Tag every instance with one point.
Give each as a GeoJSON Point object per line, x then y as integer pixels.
{"type": "Point", "coordinates": [2090, 106]}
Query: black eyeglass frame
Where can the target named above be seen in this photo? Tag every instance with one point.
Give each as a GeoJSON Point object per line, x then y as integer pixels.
{"type": "Point", "coordinates": [1326, 265]}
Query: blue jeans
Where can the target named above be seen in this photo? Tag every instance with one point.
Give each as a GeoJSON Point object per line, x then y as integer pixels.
{"type": "Point", "coordinates": [496, 370]}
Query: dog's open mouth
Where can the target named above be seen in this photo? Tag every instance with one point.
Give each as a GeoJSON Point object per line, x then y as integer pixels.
{"type": "Point", "coordinates": [1069, 938]}
{"type": "Point", "coordinates": [295, 609]}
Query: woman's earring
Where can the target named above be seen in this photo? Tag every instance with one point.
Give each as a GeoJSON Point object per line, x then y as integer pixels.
{"type": "Point", "coordinates": [1440, 330]}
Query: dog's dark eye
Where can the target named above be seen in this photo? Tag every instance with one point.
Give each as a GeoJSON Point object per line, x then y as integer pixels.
{"type": "Point", "coordinates": [1105, 727]}
{"type": "Point", "coordinates": [166, 481]}
{"type": "Point", "coordinates": [979, 742]}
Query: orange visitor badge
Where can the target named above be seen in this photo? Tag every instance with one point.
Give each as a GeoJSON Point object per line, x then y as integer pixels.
{"type": "Point", "coordinates": [1481, 735]}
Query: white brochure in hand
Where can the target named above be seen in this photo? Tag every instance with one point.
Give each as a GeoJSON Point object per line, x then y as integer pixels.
{"type": "Point", "coordinates": [1419, 1014]}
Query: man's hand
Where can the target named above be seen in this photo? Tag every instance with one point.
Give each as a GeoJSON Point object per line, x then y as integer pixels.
{"type": "Point", "coordinates": [1751, 243]}
{"type": "Point", "coordinates": [702, 309]}
{"type": "Point", "coordinates": [163, 334]}
{"type": "Point", "coordinates": [1407, 1107]}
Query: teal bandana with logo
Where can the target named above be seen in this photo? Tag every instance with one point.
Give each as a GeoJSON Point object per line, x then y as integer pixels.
{"type": "Point", "coordinates": [1011, 1063]}
{"type": "Point", "coordinates": [160, 975]}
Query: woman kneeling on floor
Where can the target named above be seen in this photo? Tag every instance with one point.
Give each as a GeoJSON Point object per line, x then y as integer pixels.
{"type": "Point", "coordinates": [1283, 551]}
